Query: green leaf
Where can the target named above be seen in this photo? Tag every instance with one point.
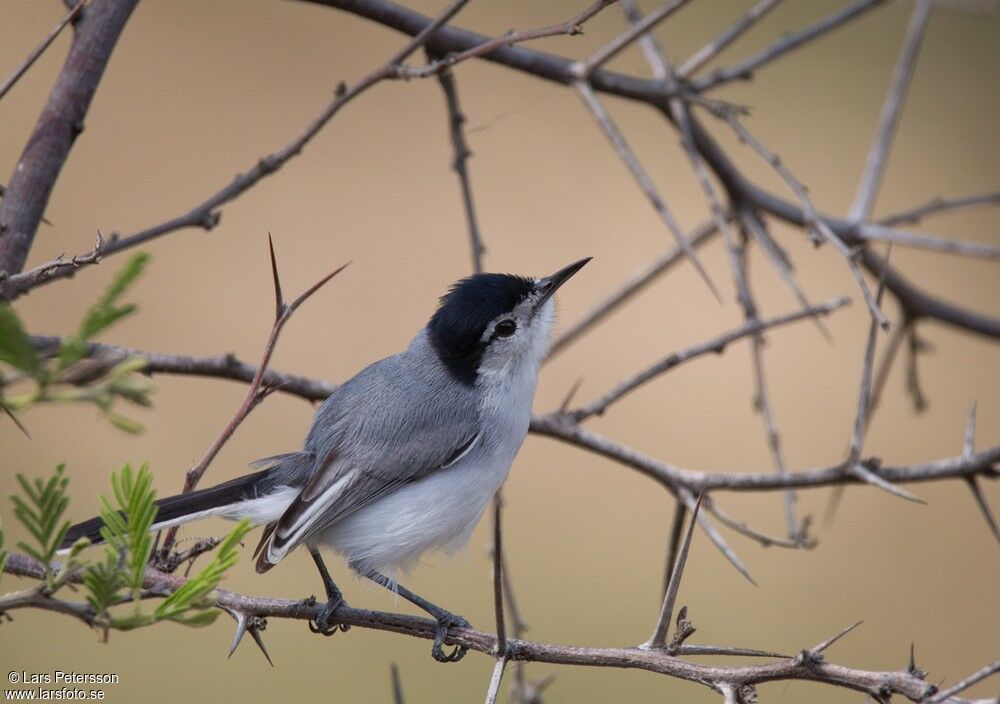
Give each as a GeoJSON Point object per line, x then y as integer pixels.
{"type": "Point", "coordinates": [104, 312]}
{"type": "Point", "coordinates": [15, 348]}
{"type": "Point", "coordinates": [41, 513]}
{"type": "Point", "coordinates": [193, 594]}
{"type": "Point", "coordinates": [126, 528]}
{"type": "Point", "coordinates": [103, 580]}
{"type": "Point", "coordinates": [124, 423]}
{"type": "Point", "coordinates": [199, 619]}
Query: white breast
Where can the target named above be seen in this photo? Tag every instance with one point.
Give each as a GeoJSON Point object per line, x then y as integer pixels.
{"type": "Point", "coordinates": [441, 510]}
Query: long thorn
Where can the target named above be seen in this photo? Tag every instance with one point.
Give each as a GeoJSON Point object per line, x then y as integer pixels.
{"type": "Point", "coordinates": [658, 639]}
{"type": "Point", "coordinates": [820, 647]}
{"type": "Point", "coordinates": [977, 494]}
{"type": "Point", "coordinates": [869, 477]}
{"type": "Point", "coordinates": [279, 299]}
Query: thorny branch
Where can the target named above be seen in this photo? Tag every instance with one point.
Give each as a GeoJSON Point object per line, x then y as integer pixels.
{"type": "Point", "coordinates": [660, 661]}
{"type": "Point", "coordinates": [257, 391]}
{"type": "Point", "coordinates": [673, 93]}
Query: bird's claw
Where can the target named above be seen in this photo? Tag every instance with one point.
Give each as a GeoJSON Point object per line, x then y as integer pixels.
{"type": "Point", "coordinates": [321, 623]}
{"type": "Point", "coordinates": [444, 622]}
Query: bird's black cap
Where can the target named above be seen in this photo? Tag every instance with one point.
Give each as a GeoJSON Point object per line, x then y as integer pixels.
{"type": "Point", "coordinates": [456, 330]}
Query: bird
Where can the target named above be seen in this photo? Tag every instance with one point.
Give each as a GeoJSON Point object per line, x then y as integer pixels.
{"type": "Point", "coordinates": [404, 457]}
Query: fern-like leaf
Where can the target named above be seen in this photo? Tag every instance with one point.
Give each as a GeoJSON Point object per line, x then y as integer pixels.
{"type": "Point", "coordinates": [15, 348]}
{"type": "Point", "coordinates": [41, 513]}
{"type": "Point", "coordinates": [104, 313]}
{"type": "Point", "coordinates": [126, 528]}
{"type": "Point", "coordinates": [193, 594]}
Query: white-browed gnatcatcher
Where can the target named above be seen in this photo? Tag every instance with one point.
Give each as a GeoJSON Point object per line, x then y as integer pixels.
{"type": "Point", "coordinates": [405, 456]}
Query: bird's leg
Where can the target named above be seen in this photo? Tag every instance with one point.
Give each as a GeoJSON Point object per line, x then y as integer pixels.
{"type": "Point", "coordinates": [445, 619]}
{"type": "Point", "coordinates": [334, 598]}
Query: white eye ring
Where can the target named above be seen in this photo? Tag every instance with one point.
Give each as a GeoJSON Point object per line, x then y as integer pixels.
{"type": "Point", "coordinates": [505, 328]}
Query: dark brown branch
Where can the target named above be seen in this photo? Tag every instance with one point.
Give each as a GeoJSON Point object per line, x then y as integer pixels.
{"type": "Point", "coordinates": [498, 575]}
{"type": "Point", "coordinates": [562, 427]}
{"type": "Point", "coordinates": [460, 163]}
{"type": "Point", "coordinates": [61, 121]}
{"type": "Point", "coordinates": [652, 660]}
{"type": "Point", "coordinates": [205, 215]}
{"type": "Point", "coordinates": [31, 58]}
{"type": "Point", "coordinates": [559, 69]}
{"type": "Point", "coordinates": [440, 64]}
{"type": "Point", "coordinates": [716, 345]}
{"type": "Point", "coordinates": [257, 392]}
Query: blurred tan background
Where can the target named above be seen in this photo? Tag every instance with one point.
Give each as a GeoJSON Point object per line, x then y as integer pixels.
{"type": "Point", "coordinates": [197, 91]}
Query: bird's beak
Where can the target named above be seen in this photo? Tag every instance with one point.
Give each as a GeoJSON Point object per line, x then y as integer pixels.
{"type": "Point", "coordinates": [550, 284]}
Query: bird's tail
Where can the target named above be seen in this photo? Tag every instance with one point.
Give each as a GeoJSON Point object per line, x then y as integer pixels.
{"type": "Point", "coordinates": [222, 500]}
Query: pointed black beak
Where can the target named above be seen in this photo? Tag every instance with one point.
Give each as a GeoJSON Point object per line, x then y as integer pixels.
{"type": "Point", "coordinates": [550, 284]}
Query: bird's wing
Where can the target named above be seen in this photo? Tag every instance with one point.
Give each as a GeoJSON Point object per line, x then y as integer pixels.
{"type": "Point", "coordinates": [390, 425]}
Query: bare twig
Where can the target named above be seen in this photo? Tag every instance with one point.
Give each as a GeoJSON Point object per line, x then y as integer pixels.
{"type": "Point", "coordinates": [439, 65]}
{"type": "Point", "coordinates": [745, 69]}
{"type": "Point", "coordinates": [563, 428]}
{"type": "Point", "coordinates": [636, 283]}
{"type": "Point", "coordinates": [911, 297]}
{"type": "Point", "coordinates": [583, 69]}
{"type": "Point", "coordinates": [630, 160]}
{"type": "Point", "coordinates": [816, 226]}
{"type": "Point", "coordinates": [653, 660]}
{"type": "Point", "coordinates": [968, 449]}
{"type": "Point", "coordinates": [256, 392]}
{"type": "Point", "coordinates": [397, 685]}
{"type": "Point", "coordinates": [715, 536]}
{"type": "Point", "coordinates": [60, 122]}
{"type": "Point", "coordinates": [914, 346]}
{"type": "Point", "coordinates": [972, 679]}
{"type": "Point", "coordinates": [798, 539]}
{"type": "Point", "coordinates": [31, 58]}
{"type": "Point", "coordinates": [498, 576]}
{"type": "Point", "coordinates": [205, 215]}
{"type": "Point", "coordinates": [498, 669]}
{"type": "Point", "coordinates": [871, 179]}
{"type": "Point", "coordinates": [754, 226]}
{"type": "Point", "coordinates": [460, 165]}
{"type": "Point", "coordinates": [658, 639]}
{"type": "Point", "coordinates": [716, 345]}
{"type": "Point", "coordinates": [937, 206]}
{"type": "Point", "coordinates": [727, 37]}
{"type": "Point", "coordinates": [870, 232]}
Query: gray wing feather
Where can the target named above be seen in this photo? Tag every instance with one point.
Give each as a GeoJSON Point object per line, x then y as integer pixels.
{"type": "Point", "coordinates": [400, 419]}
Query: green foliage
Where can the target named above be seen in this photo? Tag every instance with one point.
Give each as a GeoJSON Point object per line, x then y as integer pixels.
{"type": "Point", "coordinates": [15, 348]}
{"type": "Point", "coordinates": [126, 529]}
{"type": "Point", "coordinates": [54, 381]}
{"type": "Point", "coordinates": [103, 581]}
{"type": "Point", "coordinates": [41, 513]}
{"type": "Point", "coordinates": [193, 595]}
{"type": "Point", "coordinates": [117, 579]}
{"type": "Point", "coordinates": [104, 313]}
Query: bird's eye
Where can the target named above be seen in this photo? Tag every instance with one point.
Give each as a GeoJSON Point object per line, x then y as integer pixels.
{"type": "Point", "coordinates": [505, 328]}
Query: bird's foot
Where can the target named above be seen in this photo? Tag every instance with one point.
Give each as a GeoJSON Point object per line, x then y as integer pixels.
{"type": "Point", "coordinates": [446, 620]}
{"type": "Point", "coordinates": [321, 623]}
